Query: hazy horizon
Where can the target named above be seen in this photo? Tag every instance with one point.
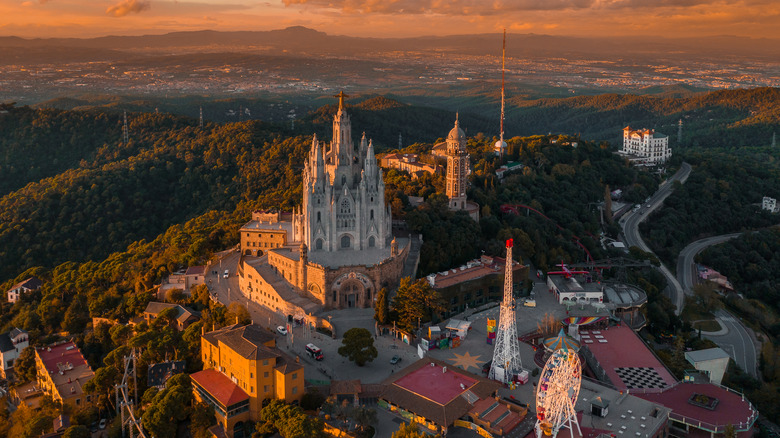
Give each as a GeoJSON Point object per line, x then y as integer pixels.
{"type": "Point", "coordinates": [399, 18]}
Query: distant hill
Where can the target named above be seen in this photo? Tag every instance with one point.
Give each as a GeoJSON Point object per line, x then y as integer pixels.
{"type": "Point", "coordinates": [304, 40]}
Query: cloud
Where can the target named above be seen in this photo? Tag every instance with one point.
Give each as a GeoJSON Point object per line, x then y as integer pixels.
{"type": "Point", "coordinates": [128, 6]}
{"type": "Point", "coordinates": [484, 7]}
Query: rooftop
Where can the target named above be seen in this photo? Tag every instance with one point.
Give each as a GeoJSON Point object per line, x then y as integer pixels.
{"type": "Point", "coordinates": [575, 283]}
{"type": "Point", "coordinates": [195, 270]}
{"type": "Point", "coordinates": [31, 283]}
{"type": "Point", "coordinates": [624, 295]}
{"type": "Point", "coordinates": [256, 225]}
{"type": "Point", "coordinates": [732, 407]}
{"type": "Point", "coordinates": [61, 356]}
{"type": "Point", "coordinates": [349, 257]}
{"type": "Point", "coordinates": [250, 341]}
{"type": "Point", "coordinates": [706, 355]}
{"type": "Point", "coordinates": [220, 387]}
{"type": "Point", "coordinates": [627, 361]}
{"type": "Point", "coordinates": [427, 391]}
{"type": "Point", "coordinates": [472, 270]}
{"type": "Point", "coordinates": [182, 313]}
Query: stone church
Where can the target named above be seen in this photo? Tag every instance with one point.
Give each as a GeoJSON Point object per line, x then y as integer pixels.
{"type": "Point", "coordinates": [338, 249]}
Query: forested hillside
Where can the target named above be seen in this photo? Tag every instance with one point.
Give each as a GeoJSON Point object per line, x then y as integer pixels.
{"type": "Point", "coordinates": [722, 195]}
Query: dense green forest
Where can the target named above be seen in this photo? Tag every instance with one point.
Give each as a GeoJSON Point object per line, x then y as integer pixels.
{"type": "Point", "coordinates": [722, 195]}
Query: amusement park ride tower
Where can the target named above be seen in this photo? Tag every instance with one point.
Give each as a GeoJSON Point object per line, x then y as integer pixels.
{"type": "Point", "coordinates": [506, 354]}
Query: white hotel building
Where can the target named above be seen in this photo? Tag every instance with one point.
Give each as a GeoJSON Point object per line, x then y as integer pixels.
{"type": "Point", "coordinates": [645, 146]}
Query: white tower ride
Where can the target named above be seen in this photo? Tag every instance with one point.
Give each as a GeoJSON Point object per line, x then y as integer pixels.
{"type": "Point", "coordinates": [506, 354]}
{"type": "Point", "coordinates": [500, 145]}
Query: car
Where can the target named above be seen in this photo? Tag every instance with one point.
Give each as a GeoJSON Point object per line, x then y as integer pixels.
{"type": "Point", "coordinates": [102, 424]}
{"type": "Point", "coordinates": [226, 274]}
{"type": "Point", "coordinates": [282, 331]}
{"type": "Point", "coordinates": [395, 359]}
{"type": "Point", "coordinates": [649, 205]}
{"type": "Point", "coordinates": [529, 303]}
{"type": "Point", "coordinates": [93, 427]}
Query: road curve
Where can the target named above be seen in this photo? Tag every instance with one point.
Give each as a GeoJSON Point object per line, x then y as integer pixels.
{"type": "Point", "coordinates": [631, 222]}
{"type": "Point", "coordinates": [737, 342]}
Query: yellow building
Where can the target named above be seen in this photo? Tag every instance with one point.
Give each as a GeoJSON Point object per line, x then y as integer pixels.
{"type": "Point", "coordinates": [243, 367]}
{"type": "Point", "coordinates": [62, 372]}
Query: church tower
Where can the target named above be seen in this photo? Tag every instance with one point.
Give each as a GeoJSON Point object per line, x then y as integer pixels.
{"type": "Point", "coordinates": [457, 167]}
{"type": "Point", "coordinates": [344, 193]}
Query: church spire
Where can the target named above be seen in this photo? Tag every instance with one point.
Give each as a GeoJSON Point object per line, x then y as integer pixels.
{"type": "Point", "coordinates": [370, 160]}
{"type": "Point", "coordinates": [318, 163]}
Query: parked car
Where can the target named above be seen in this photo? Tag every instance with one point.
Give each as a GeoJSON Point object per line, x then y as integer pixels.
{"type": "Point", "coordinates": [102, 424]}
{"type": "Point", "coordinates": [395, 359]}
{"type": "Point", "coordinates": [226, 274]}
{"type": "Point", "coordinates": [282, 331]}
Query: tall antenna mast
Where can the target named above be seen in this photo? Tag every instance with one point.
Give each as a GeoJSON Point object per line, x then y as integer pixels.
{"type": "Point", "coordinates": [501, 144]}
{"type": "Point", "coordinates": [201, 118]}
{"type": "Point", "coordinates": [125, 133]}
{"type": "Point", "coordinates": [503, 72]}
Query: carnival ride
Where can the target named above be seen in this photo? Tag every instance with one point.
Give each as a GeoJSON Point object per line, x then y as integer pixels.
{"type": "Point", "coordinates": [556, 395]}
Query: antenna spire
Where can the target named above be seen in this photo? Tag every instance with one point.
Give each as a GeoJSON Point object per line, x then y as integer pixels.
{"type": "Point", "coordinates": [125, 133]}
{"type": "Point", "coordinates": [503, 71]}
{"type": "Point", "coordinates": [201, 118]}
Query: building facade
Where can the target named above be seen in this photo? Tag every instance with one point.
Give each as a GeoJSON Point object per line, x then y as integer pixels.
{"type": "Point", "coordinates": [62, 373]}
{"type": "Point", "coordinates": [337, 250]}
{"type": "Point", "coordinates": [11, 346]}
{"type": "Point", "coordinates": [458, 171]}
{"type": "Point", "coordinates": [17, 290]}
{"type": "Point", "coordinates": [645, 146]}
{"type": "Point", "coordinates": [250, 362]}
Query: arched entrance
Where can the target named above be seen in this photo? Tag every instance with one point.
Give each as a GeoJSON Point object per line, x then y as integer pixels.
{"type": "Point", "coordinates": [351, 291]}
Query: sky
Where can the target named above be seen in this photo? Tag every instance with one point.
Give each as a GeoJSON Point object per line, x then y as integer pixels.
{"type": "Point", "coordinates": [394, 18]}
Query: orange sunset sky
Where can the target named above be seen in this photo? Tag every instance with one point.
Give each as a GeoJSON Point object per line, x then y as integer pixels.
{"type": "Point", "coordinates": [394, 18]}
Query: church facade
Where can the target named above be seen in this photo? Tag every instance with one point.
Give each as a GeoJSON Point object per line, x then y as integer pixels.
{"type": "Point", "coordinates": [337, 250]}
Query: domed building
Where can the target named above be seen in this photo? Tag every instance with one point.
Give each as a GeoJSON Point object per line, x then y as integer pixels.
{"type": "Point", "coordinates": [458, 171]}
{"type": "Point", "coordinates": [337, 250]}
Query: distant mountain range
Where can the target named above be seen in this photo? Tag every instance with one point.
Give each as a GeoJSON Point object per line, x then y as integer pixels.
{"type": "Point", "coordinates": [302, 40]}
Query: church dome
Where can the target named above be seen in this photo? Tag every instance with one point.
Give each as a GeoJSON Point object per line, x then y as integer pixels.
{"type": "Point", "coordinates": [456, 133]}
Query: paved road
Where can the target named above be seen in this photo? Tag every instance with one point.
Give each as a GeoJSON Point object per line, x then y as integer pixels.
{"type": "Point", "coordinates": [736, 340]}
{"type": "Point", "coordinates": [631, 221]}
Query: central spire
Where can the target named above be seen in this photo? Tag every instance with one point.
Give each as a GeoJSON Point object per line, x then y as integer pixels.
{"type": "Point", "coordinates": [341, 97]}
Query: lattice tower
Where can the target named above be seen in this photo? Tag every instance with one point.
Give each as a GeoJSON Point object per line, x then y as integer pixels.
{"type": "Point", "coordinates": [125, 132]}
{"type": "Point", "coordinates": [506, 353]}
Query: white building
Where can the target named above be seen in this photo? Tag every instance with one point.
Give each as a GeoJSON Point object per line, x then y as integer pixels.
{"type": "Point", "coordinates": [568, 288]}
{"type": "Point", "coordinates": [11, 346]}
{"type": "Point", "coordinates": [29, 285]}
{"type": "Point", "coordinates": [344, 194]}
{"type": "Point", "coordinates": [769, 204]}
{"type": "Point", "coordinates": [645, 146]}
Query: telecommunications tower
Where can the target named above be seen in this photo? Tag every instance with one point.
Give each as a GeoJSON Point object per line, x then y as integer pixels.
{"type": "Point", "coordinates": [679, 132]}
{"type": "Point", "coordinates": [500, 146]}
{"type": "Point", "coordinates": [200, 122]}
{"type": "Point", "coordinates": [125, 132]}
{"type": "Point", "coordinates": [506, 354]}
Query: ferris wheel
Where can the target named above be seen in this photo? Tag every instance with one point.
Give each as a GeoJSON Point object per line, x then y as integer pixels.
{"type": "Point", "coordinates": [556, 394]}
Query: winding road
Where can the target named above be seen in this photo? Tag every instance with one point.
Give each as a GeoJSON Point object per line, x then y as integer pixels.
{"type": "Point", "coordinates": [630, 224]}
{"type": "Point", "coordinates": [735, 339]}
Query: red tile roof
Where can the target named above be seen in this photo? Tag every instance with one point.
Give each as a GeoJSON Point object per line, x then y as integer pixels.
{"type": "Point", "coordinates": [731, 408]}
{"type": "Point", "coordinates": [220, 387]}
{"type": "Point", "coordinates": [195, 270]}
{"type": "Point", "coordinates": [433, 384]}
{"type": "Point", "coordinates": [63, 354]}
{"type": "Point", "coordinates": [623, 348]}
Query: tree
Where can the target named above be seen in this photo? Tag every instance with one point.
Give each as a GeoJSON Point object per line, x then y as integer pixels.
{"type": "Point", "coordinates": [237, 314]}
{"type": "Point", "coordinates": [549, 325]}
{"type": "Point", "coordinates": [358, 346]}
{"type": "Point", "coordinates": [381, 308]}
{"type": "Point", "coordinates": [363, 417]}
{"type": "Point", "coordinates": [415, 302]}
{"type": "Point", "coordinates": [25, 365]}
{"type": "Point", "coordinates": [201, 418]}
{"type": "Point", "coordinates": [169, 407]}
{"type": "Point", "coordinates": [409, 430]}
{"type": "Point", "coordinates": [78, 431]}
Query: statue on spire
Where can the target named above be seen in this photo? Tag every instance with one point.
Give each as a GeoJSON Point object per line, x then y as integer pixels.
{"type": "Point", "coordinates": [341, 97]}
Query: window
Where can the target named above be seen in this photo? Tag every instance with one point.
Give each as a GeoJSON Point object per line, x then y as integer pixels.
{"type": "Point", "coordinates": [265, 388]}
{"type": "Point", "coordinates": [346, 207]}
{"type": "Point", "coordinates": [265, 362]}
{"type": "Point", "coordinates": [346, 241]}
{"type": "Point", "coordinates": [295, 376]}
{"type": "Point", "coordinates": [334, 295]}
{"type": "Point", "coordinates": [252, 389]}
{"type": "Point", "coordinates": [318, 244]}
{"type": "Point", "coordinates": [371, 242]}
{"type": "Point", "coordinates": [295, 390]}
{"type": "Point", "coordinates": [343, 180]}
{"type": "Point", "coordinates": [265, 374]}
{"type": "Point", "coordinates": [251, 375]}
{"type": "Point", "coordinates": [318, 216]}
{"type": "Point", "coordinates": [372, 213]}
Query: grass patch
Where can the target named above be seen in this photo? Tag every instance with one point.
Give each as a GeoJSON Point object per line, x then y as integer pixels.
{"type": "Point", "coordinates": [709, 325]}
